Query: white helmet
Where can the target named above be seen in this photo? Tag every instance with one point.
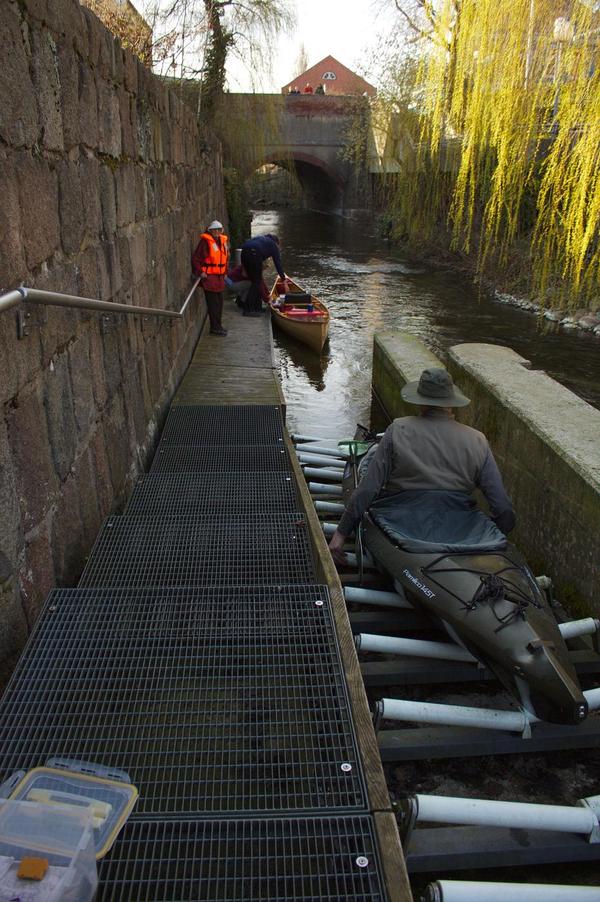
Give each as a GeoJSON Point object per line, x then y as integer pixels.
{"type": "Point", "coordinates": [215, 225]}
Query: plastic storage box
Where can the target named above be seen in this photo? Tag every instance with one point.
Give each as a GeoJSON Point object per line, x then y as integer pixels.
{"type": "Point", "coordinates": [64, 841]}
{"type": "Point", "coordinates": [64, 786]}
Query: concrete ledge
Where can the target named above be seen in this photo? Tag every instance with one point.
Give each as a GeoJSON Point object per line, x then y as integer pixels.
{"type": "Point", "coordinates": [398, 358]}
{"type": "Point", "coordinates": [547, 443]}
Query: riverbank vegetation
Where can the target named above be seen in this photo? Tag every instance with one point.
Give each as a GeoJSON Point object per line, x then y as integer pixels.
{"type": "Point", "coordinates": [494, 105]}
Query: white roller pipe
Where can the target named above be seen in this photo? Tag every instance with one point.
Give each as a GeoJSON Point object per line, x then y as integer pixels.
{"type": "Point", "coordinates": [373, 596]}
{"type": "Point", "coordinates": [592, 697]}
{"type": "Point", "coordinates": [323, 473]}
{"type": "Point", "coordinates": [320, 460]}
{"type": "Point", "coordinates": [455, 715]}
{"type": "Point", "coordinates": [324, 450]}
{"type": "Point", "coordinates": [474, 891]}
{"type": "Point", "coordinates": [330, 528]}
{"type": "Point", "coordinates": [295, 437]}
{"type": "Point", "coordinates": [585, 627]}
{"type": "Point", "coordinates": [512, 815]}
{"type": "Point", "coordinates": [319, 488]}
{"type": "Point", "coordinates": [352, 561]}
{"type": "Point", "coordinates": [329, 507]}
{"type": "Point", "coordinates": [416, 648]}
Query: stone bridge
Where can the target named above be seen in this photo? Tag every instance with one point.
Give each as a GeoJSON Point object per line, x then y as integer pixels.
{"type": "Point", "coordinates": [311, 135]}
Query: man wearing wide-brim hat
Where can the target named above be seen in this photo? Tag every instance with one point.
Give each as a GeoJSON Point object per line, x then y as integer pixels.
{"type": "Point", "coordinates": [429, 451]}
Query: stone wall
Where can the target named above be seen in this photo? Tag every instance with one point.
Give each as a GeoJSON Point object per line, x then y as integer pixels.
{"type": "Point", "coordinates": [545, 440]}
{"type": "Point", "coordinates": [105, 180]}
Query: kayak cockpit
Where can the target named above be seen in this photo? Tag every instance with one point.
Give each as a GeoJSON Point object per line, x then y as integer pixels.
{"type": "Point", "coordinates": [436, 522]}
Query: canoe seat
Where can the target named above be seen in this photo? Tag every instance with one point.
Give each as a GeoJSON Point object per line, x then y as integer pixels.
{"type": "Point", "coordinates": [434, 521]}
{"type": "Point", "coordinates": [293, 297]}
{"type": "Point", "coordinates": [299, 313]}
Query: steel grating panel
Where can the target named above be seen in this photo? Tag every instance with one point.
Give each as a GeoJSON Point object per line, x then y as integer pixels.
{"type": "Point", "coordinates": [222, 425]}
{"type": "Point", "coordinates": [333, 859]}
{"type": "Point", "coordinates": [213, 701]}
{"type": "Point", "coordinates": [183, 610]}
{"type": "Point", "coordinates": [210, 551]}
{"type": "Point", "coordinates": [219, 459]}
{"type": "Point", "coordinates": [184, 495]}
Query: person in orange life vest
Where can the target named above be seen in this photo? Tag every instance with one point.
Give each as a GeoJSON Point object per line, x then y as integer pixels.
{"type": "Point", "coordinates": [308, 88]}
{"type": "Point", "coordinates": [209, 263]}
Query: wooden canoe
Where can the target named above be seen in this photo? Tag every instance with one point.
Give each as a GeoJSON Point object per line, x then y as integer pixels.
{"type": "Point", "coordinates": [295, 316]}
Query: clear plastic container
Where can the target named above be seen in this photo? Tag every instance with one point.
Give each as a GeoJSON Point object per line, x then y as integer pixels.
{"type": "Point", "coordinates": [108, 802]}
{"type": "Point", "coordinates": [65, 841]}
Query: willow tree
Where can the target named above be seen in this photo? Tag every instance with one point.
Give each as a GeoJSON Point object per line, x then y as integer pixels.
{"type": "Point", "coordinates": [198, 37]}
{"type": "Point", "coordinates": [512, 85]}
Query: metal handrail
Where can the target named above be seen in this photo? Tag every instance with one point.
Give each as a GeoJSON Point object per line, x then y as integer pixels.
{"type": "Point", "coordinates": [54, 298]}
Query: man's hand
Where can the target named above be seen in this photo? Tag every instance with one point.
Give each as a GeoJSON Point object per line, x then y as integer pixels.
{"type": "Point", "coordinates": [336, 546]}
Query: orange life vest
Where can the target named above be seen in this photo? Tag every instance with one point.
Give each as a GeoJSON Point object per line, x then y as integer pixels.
{"type": "Point", "coordinates": [215, 262]}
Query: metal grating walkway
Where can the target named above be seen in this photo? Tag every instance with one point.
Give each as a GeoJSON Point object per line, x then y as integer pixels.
{"type": "Point", "coordinates": [234, 494]}
{"type": "Point", "coordinates": [214, 702]}
{"type": "Point", "coordinates": [220, 459]}
{"type": "Point", "coordinates": [200, 655]}
{"type": "Point", "coordinates": [209, 551]}
{"type": "Point", "coordinates": [260, 860]}
{"type": "Point", "coordinates": [205, 426]}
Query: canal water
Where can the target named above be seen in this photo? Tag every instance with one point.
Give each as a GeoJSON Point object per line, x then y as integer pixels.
{"type": "Point", "coordinates": [368, 287]}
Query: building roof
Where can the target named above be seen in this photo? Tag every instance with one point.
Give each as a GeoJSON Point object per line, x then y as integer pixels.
{"type": "Point", "coordinates": [335, 77]}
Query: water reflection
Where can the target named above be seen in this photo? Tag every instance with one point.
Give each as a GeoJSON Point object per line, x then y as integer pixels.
{"type": "Point", "coordinates": [292, 355]}
{"type": "Point", "coordinates": [369, 288]}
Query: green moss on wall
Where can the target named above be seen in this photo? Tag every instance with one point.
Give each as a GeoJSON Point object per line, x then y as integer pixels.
{"type": "Point", "coordinates": [236, 199]}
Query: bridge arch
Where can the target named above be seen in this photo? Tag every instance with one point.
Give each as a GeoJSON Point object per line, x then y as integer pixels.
{"type": "Point", "coordinates": [322, 186]}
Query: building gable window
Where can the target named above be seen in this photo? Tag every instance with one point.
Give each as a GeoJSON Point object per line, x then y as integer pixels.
{"type": "Point", "coordinates": [329, 76]}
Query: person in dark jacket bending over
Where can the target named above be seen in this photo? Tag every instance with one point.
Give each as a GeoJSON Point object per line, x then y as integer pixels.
{"type": "Point", "coordinates": [209, 263]}
{"type": "Point", "coordinates": [254, 253]}
{"type": "Point", "coordinates": [425, 452]}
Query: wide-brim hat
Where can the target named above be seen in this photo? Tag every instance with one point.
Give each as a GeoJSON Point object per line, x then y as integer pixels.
{"type": "Point", "coordinates": [434, 388]}
{"type": "Point", "coordinates": [215, 225]}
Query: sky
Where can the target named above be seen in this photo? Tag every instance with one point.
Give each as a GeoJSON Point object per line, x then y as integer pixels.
{"type": "Point", "coordinates": [349, 30]}
{"type": "Point", "coordinates": [345, 29]}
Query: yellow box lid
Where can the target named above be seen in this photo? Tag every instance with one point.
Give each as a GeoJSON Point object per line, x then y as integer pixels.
{"type": "Point", "coordinates": [109, 801]}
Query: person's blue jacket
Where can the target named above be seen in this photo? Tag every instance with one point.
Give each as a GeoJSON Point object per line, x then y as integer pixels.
{"type": "Point", "coordinates": [266, 247]}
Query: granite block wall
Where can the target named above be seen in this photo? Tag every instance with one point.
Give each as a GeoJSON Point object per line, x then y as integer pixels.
{"type": "Point", "coordinates": [106, 180]}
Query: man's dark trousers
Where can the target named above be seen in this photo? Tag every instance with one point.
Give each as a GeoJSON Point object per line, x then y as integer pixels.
{"type": "Point", "coordinates": [252, 263]}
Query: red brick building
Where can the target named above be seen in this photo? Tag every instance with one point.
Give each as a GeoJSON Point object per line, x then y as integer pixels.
{"type": "Point", "coordinates": [335, 78]}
